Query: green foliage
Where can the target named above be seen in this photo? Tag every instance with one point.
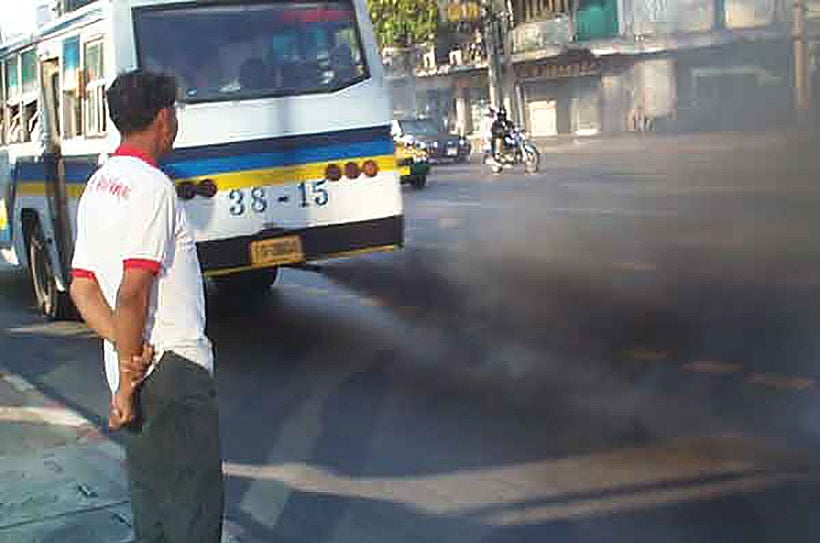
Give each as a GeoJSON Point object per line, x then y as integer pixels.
{"type": "Point", "coordinates": [401, 23]}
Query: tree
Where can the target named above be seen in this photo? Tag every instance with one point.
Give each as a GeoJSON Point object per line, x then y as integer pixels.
{"type": "Point", "coordinates": [401, 23]}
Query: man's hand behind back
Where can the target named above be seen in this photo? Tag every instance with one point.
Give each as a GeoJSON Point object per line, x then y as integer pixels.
{"type": "Point", "coordinates": [123, 411]}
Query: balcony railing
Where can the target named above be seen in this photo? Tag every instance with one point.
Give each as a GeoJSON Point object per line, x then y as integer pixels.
{"type": "Point", "coordinates": [539, 35]}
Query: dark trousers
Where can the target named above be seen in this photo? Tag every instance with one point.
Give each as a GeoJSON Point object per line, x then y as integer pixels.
{"type": "Point", "coordinates": [173, 459]}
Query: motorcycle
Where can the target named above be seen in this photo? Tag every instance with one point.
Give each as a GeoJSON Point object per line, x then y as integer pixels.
{"type": "Point", "coordinates": [515, 149]}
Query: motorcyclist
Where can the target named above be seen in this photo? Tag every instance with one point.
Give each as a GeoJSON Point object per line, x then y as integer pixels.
{"type": "Point", "coordinates": [500, 130]}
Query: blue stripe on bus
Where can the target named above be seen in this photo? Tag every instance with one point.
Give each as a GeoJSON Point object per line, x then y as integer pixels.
{"type": "Point", "coordinates": [193, 167]}
{"type": "Point", "coordinates": [77, 173]}
{"type": "Point", "coordinates": [198, 161]}
{"type": "Point", "coordinates": [283, 144]}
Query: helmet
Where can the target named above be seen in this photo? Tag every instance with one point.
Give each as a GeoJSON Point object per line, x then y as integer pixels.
{"type": "Point", "coordinates": [502, 113]}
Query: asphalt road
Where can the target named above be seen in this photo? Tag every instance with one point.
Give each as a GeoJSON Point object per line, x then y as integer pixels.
{"type": "Point", "coordinates": [620, 348]}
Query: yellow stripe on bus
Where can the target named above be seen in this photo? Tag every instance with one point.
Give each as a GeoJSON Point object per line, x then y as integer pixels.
{"type": "Point", "coordinates": [34, 188]}
{"type": "Point", "coordinates": [285, 175]}
{"type": "Point", "coordinates": [282, 175]}
{"type": "Point", "coordinates": [343, 254]}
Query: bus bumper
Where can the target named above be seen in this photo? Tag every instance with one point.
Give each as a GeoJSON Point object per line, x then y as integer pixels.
{"type": "Point", "coordinates": [227, 256]}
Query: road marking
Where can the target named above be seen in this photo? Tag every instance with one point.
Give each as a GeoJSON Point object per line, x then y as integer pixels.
{"type": "Point", "coordinates": [54, 329]}
{"type": "Point", "coordinates": [780, 382]}
{"type": "Point", "coordinates": [18, 383]}
{"type": "Point", "coordinates": [541, 514]}
{"type": "Point", "coordinates": [444, 204]}
{"type": "Point", "coordinates": [449, 223]}
{"type": "Point", "coordinates": [8, 259]}
{"type": "Point", "coordinates": [647, 355]}
{"type": "Point", "coordinates": [438, 246]}
{"type": "Point", "coordinates": [56, 416]}
{"type": "Point", "coordinates": [296, 439]}
{"type": "Point", "coordinates": [669, 472]}
{"type": "Point", "coordinates": [712, 368]}
{"type": "Point", "coordinates": [635, 266]}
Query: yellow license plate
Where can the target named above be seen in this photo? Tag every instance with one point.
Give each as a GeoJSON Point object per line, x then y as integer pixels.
{"type": "Point", "coordinates": [404, 170]}
{"type": "Point", "coordinates": [277, 251]}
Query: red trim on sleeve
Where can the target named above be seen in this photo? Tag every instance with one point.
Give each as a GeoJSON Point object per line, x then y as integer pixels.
{"type": "Point", "coordinates": [130, 150]}
{"type": "Point", "coordinates": [78, 273]}
{"type": "Point", "coordinates": [142, 264]}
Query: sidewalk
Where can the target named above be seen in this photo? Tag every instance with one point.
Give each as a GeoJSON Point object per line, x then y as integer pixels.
{"type": "Point", "coordinates": [61, 480]}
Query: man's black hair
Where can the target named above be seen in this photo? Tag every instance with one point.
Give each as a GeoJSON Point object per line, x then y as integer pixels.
{"type": "Point", "coordinates": [135, 98]}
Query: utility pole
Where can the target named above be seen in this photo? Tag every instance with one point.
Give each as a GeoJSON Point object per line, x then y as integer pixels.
{"type": "Point", "coordinates": [494, 38]}
{"type": "Point", "coordinates": [801, 61]}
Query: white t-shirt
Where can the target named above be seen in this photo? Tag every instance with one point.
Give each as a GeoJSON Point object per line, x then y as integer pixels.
{"type": "Point", "coordinates": [129, 216]}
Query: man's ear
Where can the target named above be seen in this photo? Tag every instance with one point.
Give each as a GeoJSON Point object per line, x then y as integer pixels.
{"type": "Point", "coordinates": [162, 117]}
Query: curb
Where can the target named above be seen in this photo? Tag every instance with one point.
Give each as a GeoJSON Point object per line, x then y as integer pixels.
{"type": "Point", "coordinates": [72, 492]}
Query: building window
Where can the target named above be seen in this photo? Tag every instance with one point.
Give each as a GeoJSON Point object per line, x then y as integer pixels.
{"type": "Point", "coordinates": [95, 109]}
{"type": "Point", "coordinates": [596, 20]}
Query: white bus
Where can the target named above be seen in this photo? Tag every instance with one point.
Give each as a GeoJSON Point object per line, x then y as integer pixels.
{"type": "Point", "coordinates": [284, 154]}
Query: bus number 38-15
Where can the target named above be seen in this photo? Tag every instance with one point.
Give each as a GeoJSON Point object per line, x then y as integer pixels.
{"type": "Point", "coordinates": [256, 200]}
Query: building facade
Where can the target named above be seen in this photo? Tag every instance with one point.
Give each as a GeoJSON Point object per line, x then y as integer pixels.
{"type": "Point", "coordinates": [586, 67]}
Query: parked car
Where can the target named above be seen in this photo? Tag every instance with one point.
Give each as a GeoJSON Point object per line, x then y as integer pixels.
{"type": "Point", "coordinates": [414, 164]}
{"type": "Point", "coordinates": [427, 134]}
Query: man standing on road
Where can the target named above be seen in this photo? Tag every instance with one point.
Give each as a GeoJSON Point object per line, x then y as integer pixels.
{"type": "Point", "coordinates": [135, 253]}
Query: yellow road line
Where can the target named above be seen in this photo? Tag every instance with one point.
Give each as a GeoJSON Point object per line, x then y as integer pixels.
{"type": "Point", "coordinates": [635, 266]}
{"type": "Point", "coordinates": [646, 355]}
{"type": "Point", "coordinates": [635, 502]}
{"type": "Point", "coordinates": [780, 382]}
{"type": "Point", "coordinates": [713, 368]}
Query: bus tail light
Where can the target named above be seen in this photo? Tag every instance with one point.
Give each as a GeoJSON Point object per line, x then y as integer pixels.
{"type": "Point", "coordinates": [186, 190]}
{"type": "Point", "coordinates": [370, 168]}
{"type": "Point", "coordinates": [352, 170]}
{"type": "Point", "coordinates": [333, 172]}
{"type": "Point", "coordinates": [207, 188]}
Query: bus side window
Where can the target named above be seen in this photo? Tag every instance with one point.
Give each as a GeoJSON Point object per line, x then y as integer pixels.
{"type": "Point", "coordinates": [30, 116]}
{"type": "Point", "coordinates": [3, 104]}
{"type": "Point", "coordinates": [72, 124]}
{"type": "Point", "coordinates": [12, 126]}
{"type": "Point", "coordinates": [94, 107]}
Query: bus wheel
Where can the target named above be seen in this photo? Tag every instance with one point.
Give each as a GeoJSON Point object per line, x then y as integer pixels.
{"type": "Point", "coordinates": [248, 282]}
{"type": "Point", "coordinates": [53, 303]}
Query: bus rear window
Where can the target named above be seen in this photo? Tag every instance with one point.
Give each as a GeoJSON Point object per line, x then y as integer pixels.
{"type": "Point", "coordinates": [233, 52]}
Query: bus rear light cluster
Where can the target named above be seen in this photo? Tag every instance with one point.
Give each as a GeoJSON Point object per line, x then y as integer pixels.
{"type": "Point", "coordinates": [370, 168]}
{"type": "Point", "coordinates": [333, 172]}
{"type": "Point", "coordinates": [187, 190]}
{"type": "Point", "coordinates": [351, 170]}
{"type": "Point", "coordinates": [207, 188]}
